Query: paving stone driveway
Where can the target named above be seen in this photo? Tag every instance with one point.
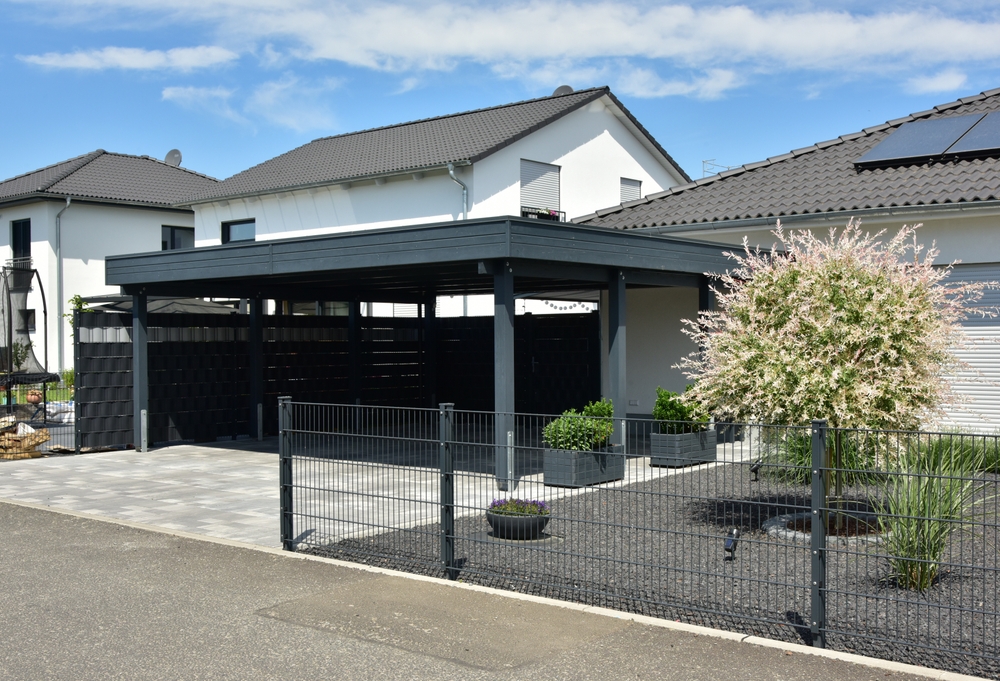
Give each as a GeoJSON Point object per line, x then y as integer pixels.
{"type": "Point", "coordinates": [228, 490]}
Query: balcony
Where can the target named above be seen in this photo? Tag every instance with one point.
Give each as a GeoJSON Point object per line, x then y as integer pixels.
{"type": "Point", "coordinates": [543, 214]}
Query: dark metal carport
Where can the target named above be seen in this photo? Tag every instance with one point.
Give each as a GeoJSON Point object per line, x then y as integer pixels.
{"type": "Point", "coordinates": [504, 256]}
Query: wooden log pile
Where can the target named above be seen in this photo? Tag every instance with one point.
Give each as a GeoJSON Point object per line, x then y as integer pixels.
{"type": "Point", "coordinates": [19, 440]}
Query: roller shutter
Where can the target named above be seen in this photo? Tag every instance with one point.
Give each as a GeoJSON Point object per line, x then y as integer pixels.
{"type": "Point", "coordinates": [630, 190]}
{"type": "Point", "coordinates": [539, 185]}
{"type": "Point", "coordinates": [982, 352]}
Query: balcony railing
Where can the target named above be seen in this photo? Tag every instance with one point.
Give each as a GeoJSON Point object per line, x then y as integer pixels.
{"type": "Point", "coordinates": [543, 214]}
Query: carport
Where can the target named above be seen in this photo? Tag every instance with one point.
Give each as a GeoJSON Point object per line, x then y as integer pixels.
{"type": "Point", "coordinates": [505, 257]}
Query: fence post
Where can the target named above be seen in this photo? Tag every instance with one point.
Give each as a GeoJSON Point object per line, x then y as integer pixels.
{"type": "Point", "coordinates": [446, 435]}
{"type": "Point", "coordinates": [285, 471]}
{"type": "Point", "coordinates": [77, 365]}
{"type": "Point", "coordinates": [819, 517]}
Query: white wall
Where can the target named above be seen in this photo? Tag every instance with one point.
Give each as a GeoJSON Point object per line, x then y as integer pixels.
{"type": "Point", "coordinates": [594, 151]}
{"type": "Point", "coordinates": [653, 343]}
{"type": "Point", "coordinates": [90, 232]}
{"type": "Point", "coordinates": [971, 237]}
{"type": "Point", "coordinates": [592, 146]}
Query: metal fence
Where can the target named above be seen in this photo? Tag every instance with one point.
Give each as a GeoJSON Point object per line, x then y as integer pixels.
{"type": "Point", "coordinates": [37, 420]}
{"type": "Point", "coordinates": [880, 543]}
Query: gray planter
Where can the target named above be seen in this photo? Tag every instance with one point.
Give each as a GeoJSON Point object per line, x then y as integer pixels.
{"type": "Point", "coordinates": [568, 468]}
{"type": "Point", "coordinates": [682, 449]}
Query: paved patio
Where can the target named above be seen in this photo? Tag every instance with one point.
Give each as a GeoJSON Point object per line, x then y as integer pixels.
{"type": "Point", "coordinates": [230, 490]}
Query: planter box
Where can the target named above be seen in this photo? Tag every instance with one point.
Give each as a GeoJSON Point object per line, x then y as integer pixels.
{"type": "Point", "coordinates": [568, 468]}
{"type": "Point", "coordinates": [682, 449]}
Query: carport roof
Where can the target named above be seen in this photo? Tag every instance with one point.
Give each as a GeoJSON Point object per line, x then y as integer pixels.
{"type": "Point", "coordinates": [403, 264]}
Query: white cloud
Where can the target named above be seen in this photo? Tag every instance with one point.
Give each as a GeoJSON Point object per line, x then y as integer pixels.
{"type": "Point", "coordinates": [291, 103]}
{"type": "Point", "coordinates": [586, 39]}
{"type": "Point", "coordinates": [214, 101]}
{"type": "Point", "coordinates": [948, 80]}
{"type": "Point", "coordinates": [177, 59]}
{"type": "Point", "coordinates": [641, 82]}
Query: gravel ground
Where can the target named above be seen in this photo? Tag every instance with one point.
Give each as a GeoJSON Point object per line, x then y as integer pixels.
{"type": "Point", "coordinates": [656, 548]}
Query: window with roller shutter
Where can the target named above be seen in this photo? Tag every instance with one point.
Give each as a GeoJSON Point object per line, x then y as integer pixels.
{"type": "Point", "coordinates": [540, 190]}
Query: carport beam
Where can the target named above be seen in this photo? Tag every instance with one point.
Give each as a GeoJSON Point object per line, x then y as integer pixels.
{"type": "Point", "coordinates": [140, 374]}
{"type": "Point", "coordinates": [503, 372]}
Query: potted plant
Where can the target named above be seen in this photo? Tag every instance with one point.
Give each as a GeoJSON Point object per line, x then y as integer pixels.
{"type": "Point", "coordinates": [517, 518]}
{"type": "Point", "coordinates": [685, 436]}
{"type": "Point", "coordinates": [578, 452]}
{"type": "Point", "coordinates": [34, 396]}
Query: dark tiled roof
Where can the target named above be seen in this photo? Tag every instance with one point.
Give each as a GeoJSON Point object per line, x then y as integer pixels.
{"type": "Point", "coordinates": [468, 136]}
{"type": "Point", "coordinates": [819, 179]}
{"type": "Point", "coordinates": [109, 177]}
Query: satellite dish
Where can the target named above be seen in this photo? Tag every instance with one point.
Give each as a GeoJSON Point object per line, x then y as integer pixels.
{"type": "Point", "coordinates": [563, 90]}
{"type": "Point", "coordinates": [173, 158]}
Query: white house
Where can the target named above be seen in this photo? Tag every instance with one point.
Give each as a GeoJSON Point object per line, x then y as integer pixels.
{"type": "Point", "coordinates": [64, 219]}
{"type": "Point", "coordinates": [558, 156]}
{"type": "Point", "coordinates": [939, 167]}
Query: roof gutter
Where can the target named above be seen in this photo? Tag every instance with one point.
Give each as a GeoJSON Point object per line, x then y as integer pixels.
{"type": "Point", "coordinates": [61, 321]}
{"type": "Point", "coordinates": [324, 183]}
{"type": "Point", "coordinates": [841, 216]}
{"type": "Point", "coordinates": [465, 191]}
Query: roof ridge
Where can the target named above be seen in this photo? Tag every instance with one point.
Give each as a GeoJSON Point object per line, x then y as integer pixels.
{"type": "Point", "coordinates": [147, 157]}
{"type": "Point", "coordinates": [772, 160]}
{"type": "Point", "coordinates": [455, 115]}
{"type": "Point", "coordinates": [83, 160]}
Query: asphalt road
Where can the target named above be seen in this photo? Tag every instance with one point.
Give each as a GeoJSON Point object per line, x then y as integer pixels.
{"type": "Point", "coordinates": [90, 599]}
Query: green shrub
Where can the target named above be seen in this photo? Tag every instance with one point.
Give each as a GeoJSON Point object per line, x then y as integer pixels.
{"type": "Point", "coordinates": [581, 431]}
{"type": "Point", "coordinates": [671, 407]}
{"type": "Point", "coordinates": [930, 491]}
{"type": "Point", "coordinates": [787, 455]}
{"type": "Point", "coordinates": [519, 507]}
{"type": "Point", "coordinates": [68, 377]}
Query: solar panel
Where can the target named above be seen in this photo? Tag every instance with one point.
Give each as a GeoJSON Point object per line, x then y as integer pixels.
{"type": "Point", "coordinates": [919, 140]}
{"type": "Point", "coordinates": [983, 137]}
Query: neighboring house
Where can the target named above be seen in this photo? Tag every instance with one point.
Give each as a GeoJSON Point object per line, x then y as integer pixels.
{"type": "Point", "coordinates": [64, 219]}
{"type": "Point", "coordinates": [939, 167]}
{"type": "Point", "coordinates": [557, 156]}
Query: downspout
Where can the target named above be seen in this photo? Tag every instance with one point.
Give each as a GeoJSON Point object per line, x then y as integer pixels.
{"type": "Point", "coordinates": [61, 323]}
{"type": "Point", "coordinates": [465, 191]}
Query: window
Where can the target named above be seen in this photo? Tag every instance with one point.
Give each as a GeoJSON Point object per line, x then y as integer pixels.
{"type": "Point", "coordinates": [176, 238]}
{"type": "Point", "coordinates": [631, 189]}
{"type": "Point", "coordinates": [239, 230]}
{"type": "Point", "coordinates": [539, 185]}
{"type": "Point", "coordinates": [20, 239]}
{"type": "Point", "coordinates": [26, 321]}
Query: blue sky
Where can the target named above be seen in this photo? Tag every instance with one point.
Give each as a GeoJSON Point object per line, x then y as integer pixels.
{"type": "Point", "coordinates": [233, 83]}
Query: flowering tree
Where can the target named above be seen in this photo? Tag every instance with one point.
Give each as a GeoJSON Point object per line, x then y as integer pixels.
{"type": "Point", "coordinates": [853, 329]}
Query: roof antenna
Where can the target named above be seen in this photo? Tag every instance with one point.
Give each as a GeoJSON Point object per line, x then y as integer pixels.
{"type": "Point", "coordinates": [173, 158]}
{"type": "Point", "coordinates": [562, 90]}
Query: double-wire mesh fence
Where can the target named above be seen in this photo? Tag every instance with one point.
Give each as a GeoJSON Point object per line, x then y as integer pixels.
{"type": "Point", "coordinates": [882, 543]}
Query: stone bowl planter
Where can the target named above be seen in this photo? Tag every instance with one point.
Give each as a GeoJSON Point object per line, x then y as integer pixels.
{"type": "Point", "coordinates": [522, 527]}
{"type": "Point", "coordinates": [682, 449]}
{"type": "Point", "coordinates": [569, 468]}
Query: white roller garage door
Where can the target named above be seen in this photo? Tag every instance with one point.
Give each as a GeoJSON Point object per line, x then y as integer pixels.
{"type": "Point", "coordinates": [982, 353]}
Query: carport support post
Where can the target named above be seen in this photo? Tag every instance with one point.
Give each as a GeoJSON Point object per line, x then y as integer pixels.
{"type": "Point", "coordinates": [430, 343]}
{"type": "Point", "coordinates": [354, 351]}
{"type": "Point", "coordinates": [140, 374]}
{"type": "Point", "coordinates": [616, 352]}
{"type": "Point", "coordinates": [256, 342]}
{"type": "Point", "coordinates": [503, 373]}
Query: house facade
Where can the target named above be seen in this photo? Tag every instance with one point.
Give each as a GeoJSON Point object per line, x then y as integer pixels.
{"type": "Point", "coordinates": [64, 219]}
{"type": "Point", "coordinates": [939, 168]}
{"type": "Point", "coordinates": [553, 157]}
